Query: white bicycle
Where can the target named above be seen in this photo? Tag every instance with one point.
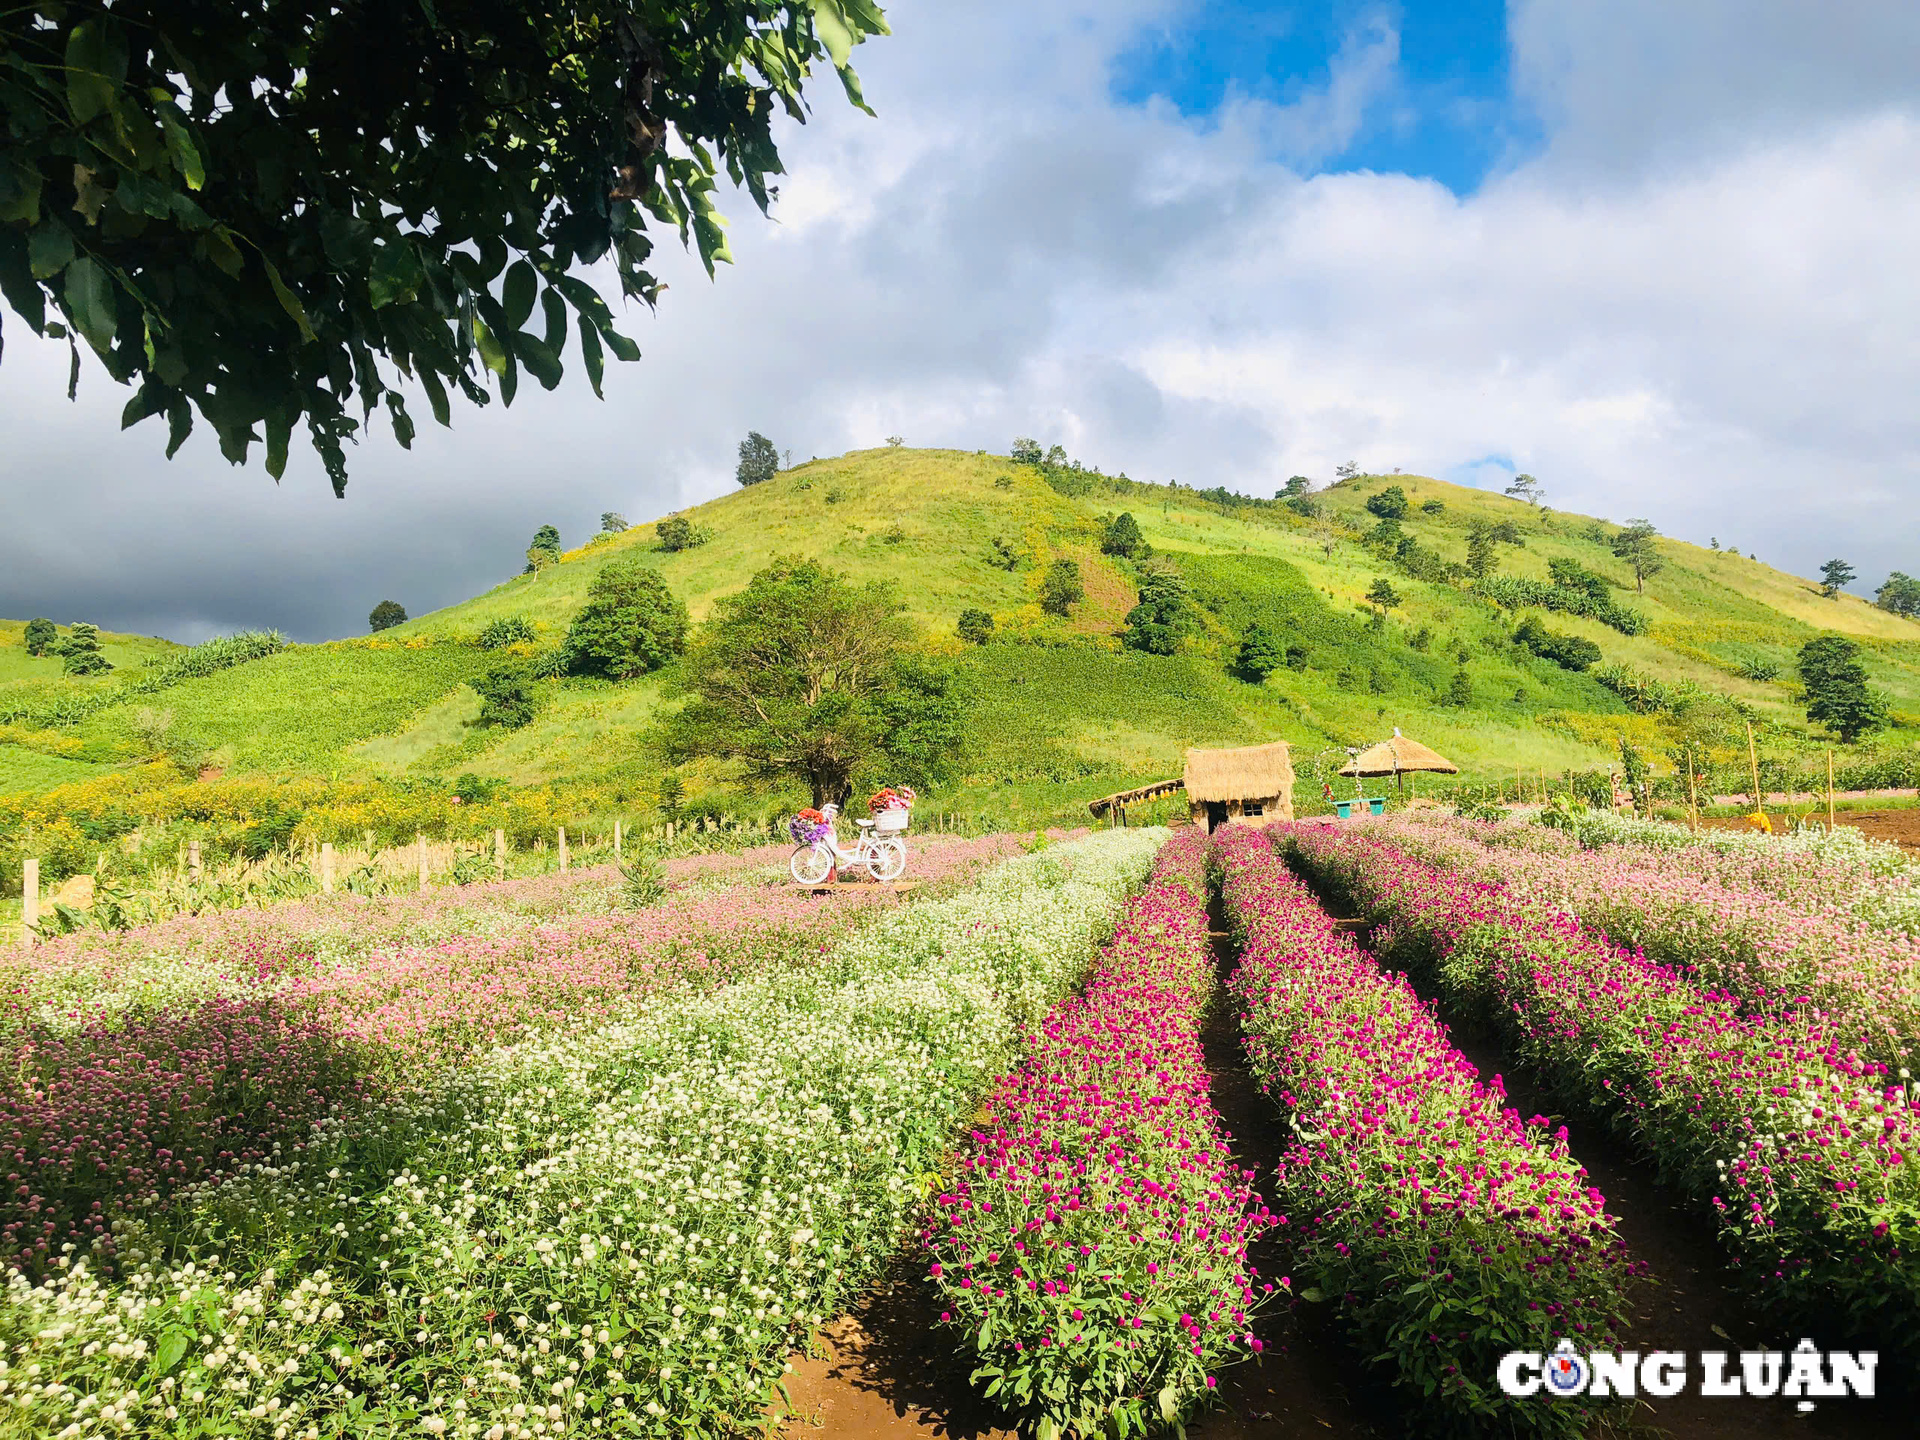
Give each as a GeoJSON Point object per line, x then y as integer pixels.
{"type": "Point", "coordinates": [881, 851]}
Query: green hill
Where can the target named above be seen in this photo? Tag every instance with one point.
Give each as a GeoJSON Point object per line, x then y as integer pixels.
{"type": "Point", "coordinates": [1063, 712]}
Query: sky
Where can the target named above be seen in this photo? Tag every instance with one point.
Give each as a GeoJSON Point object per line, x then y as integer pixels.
{"type": "Point", "coordinates": [1657, 253]}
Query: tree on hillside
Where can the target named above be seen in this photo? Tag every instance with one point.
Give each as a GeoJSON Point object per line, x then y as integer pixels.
{"type": "Point", "coordinates": [1569, 652]}
{"type": "Point", "coordinates": [1347, 470]}
{"type": "Point", "coordinates": [1389, 504]}
{"type": "Point", "coordinates": [1460, 689]}
{"type": "Point", "coordinates": [386, 615]}
{"type": "Point", "coordinates": [1835, 576]}
{"type": "Point", "coordinates": [1900, 595]}
{"type": "Point", "coordinates": [612, 521]}
{"type": "Point", "coordinates": [1123, 538]}
{"type": "Point", "coordinates": [82, 649]}
{"type": "Point", "coordinates": [1634, 544]}
{"type": "Point", "coordinates": [1383, 595]}
{"type": "Point", "coordinates": [1002, 555]}
{"type": "Point", "coordinates": [803, 675]}
{"type": "Point", "coordinates": [39, 636]}
{"type": "Point", "coordinates": [1164, 616]}
{"type": "Point", "coordinates": [1296, 485]}
{"type": "Point", "coordinates": [1483, 558]}
{"type": "Point", "coordinates": [1526, 488]}
{"type": "Point", "coordinates": [544, 551]}
{"type": "Point", "coordinates": [1572, 575]}
{"type": "Point", "coordinates": [508, 699]}
{"type": "Point", "coordinates": [1056, 456]}
{"type": "Point", "coordinates": [677, 532]}
{"type": "Point", "coordinates": [1260, 654]}
{"type": "Point", "coordinates": [975, 626]}
{"type": "Point", "coordinates": [1835, 683]}
{"type": "Point", "coordinates": [243, 210]}
{"type": "Point", "coordinates": [759, 461]}
{"type": "Point", "coordinates": [1061, 589]}
{"type": "Point", "coordinates": [631, 624]}
{"type": "Point", "coordinates": [1026, 451]}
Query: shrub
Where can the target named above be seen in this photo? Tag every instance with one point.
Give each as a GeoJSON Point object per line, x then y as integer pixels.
{"type": "Point", "coordinates": [975, 627]}
{"type": "Point", "coordinates": [1569, 652]}
{"type": "Point", "coordinates": [1061, 590]}
{"type": "Point", "coordinates": [677, 532]}
{"type": "Point", "coordinates": [1123, 538]}
{"type": "Point", "coordinates": [1260, 654]}
{"type": "Point", "coordinates": [40, 635]}
{"type": "Point", "coordinates": [82, 649]}
{"type": "Point", "coordinates": [507, 698]}
{"type": "Point", "coordinates": [1026, 452]}
{"type": "Point", "coordinates": [1513, 594]}
{"type": "Point", "coordinates": [511, 630]}
{"type": "Point", "coordinates": [386, 615]}
{"type": "Point", "coordinates": [470, 789]}
{"type": "Point", "coordinates": [612, 522]}
{"type": "Point", "coordinates": [1756, 667]}
{"type": "Point", "coordinates": [631, 624]}
{"type": "Point", "coordinates": [1390, 504]}
{"type": "Point", "coordinates": [1296, 657]}
{"type": "Point", "coordinates": [1002, 556]}
{"type": "Point", "coordinates": [1460, 689]}
{"type": "Point", "coordinates": [1432, 507]}
{"type": "Point", "coordinates": [1836, 687]}
{"type": "Point", "coordinates": [1165, 615]}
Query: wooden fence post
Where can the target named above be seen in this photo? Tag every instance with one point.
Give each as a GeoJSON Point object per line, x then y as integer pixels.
{"type": "Point", "coordinates": [420, 840]}
{"type": "Point", "coordinates": [29, 902]}
{"type": "Point", "coordinates": [563, 849]}
{"type": "Point", "coordinates": [500, 852]}
{"type": "Point", "coordinates": [193, 861]}
{"type": "Point", "coordinates": [326, 867]}
{"type": "Point", "coordinates": [1829, 788]}
{"type": "Point", "coordinates": [616, 842]}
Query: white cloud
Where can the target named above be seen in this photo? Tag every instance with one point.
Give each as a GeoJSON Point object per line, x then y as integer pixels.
{"type": "Point", "coordinates": [1717, 335]}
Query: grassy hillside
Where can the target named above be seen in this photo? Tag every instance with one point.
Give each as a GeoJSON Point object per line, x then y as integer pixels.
{"type": "Point", "coordinates": [1062, 712]}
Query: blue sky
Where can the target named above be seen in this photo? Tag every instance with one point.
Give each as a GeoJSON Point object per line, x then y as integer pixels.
{"type": "Point", "coordinates": [1449, 113]}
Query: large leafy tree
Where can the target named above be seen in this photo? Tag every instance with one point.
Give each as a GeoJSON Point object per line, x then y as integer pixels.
{"type": "Point", "coordinates": [806, 676]}
{"type": "Point", "coordinates": [1835, 576]}
{"type": "Point", "coordinates": [40, 635]}
{"type": "Point", "coordinates": [759, 460]}
{"type": "Point", "coordinates": [270, 213]}
{"type": "Point", "coordinates": [631, 624]}
{"type": "Point", "coordinates": [1836, 688]}
{"type": "Point", "coordinates": [1901, 595]}
{"type": "Point", "coordinates": [1165, 615]}
{"type": "Point", "coordinates": [1634, 544]}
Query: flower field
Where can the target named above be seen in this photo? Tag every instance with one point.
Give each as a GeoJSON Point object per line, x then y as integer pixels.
{"type": "Point", "coordinates": [1092, 1252]}
{"type": "Point", "coordinates": [1783, 930]}
{"type": "Point", "coordinates": [1447, 1229]}
{"type": "Point", "coordinates": [1775, 1123]}
{"type": "Point", "coordinates": [621, 1227]}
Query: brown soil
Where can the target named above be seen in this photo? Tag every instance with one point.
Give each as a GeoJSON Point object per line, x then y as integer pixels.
{"type": "Point", "coordinates": [1902, 827]}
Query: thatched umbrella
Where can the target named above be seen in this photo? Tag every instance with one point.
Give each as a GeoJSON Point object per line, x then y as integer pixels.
{"type": "Point", "coordinates": [1398, 757]}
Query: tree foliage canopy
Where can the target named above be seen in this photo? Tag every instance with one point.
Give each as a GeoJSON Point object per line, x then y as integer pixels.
{"type": "Point", "coordinates": [1836, 687]}
{"type": "Point", "coordinates": [1165, 616]}
{"type": "Point", "coordinates": [803, 675]}
{"type": "Point", "coordinates": [40, 635]}
{"type": "Point", "coordinates": [386, 615]}
{"type": "Point", "coordinates": [1634, 544]}
{"type": "Point", "coordinates": [1390, 504]}
{"type": "Point", "coordinates": [270, 213]}
{"type": "Point", "coordinates": [759, 461]}
{"type": "Point", "coordinates": [1260, 654]}
{"type": "Point", "coordinates": [631, 624]}
{"type": "Point", "coordinates": [1061, 588]}
{"type": "Point", "coordinates": [1123, 538]}
{"type": "Point", "coordinates": [1835, 576]}
{"type": "Point", "coordinates": [1900, 595]}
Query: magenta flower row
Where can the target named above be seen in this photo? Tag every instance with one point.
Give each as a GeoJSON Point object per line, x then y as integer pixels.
{"type": "Point", "coordinates": [1803, 1148]}
{"type": "Point", "coordinates": [1093, 1249]}
{"type": "Point", "coordinates": [1447, 1229]}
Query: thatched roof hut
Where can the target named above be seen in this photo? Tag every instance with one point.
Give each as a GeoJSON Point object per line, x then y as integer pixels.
{"type": "Point", "coordinates": [1250, 785]}
{"type": "Point", "coordinates": [1398, 756]}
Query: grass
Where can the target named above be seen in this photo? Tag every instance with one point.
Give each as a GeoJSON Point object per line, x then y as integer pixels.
{"type": "Point", "coordinates": [1068, 715]}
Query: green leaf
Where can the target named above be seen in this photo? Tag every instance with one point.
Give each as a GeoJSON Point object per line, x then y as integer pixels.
{"type": "Point", "coordinates": [402, 421]}
{"type": "Point", "coordinates": [396, 275]}
{"type": "Point", "coordinates": [96, 64]}
{"type": "Point", "coordinates": [592, 359]}
{"type": "Point", "coordinates": [556, 310]}
{"type": "Point", "coordinates": [172, 1349]}
{"type": "Point", "coordinates": [516, 295]}
{"type": "Point", "coordinates": [492, 353]}
{"type": "Point", "coordinates": [279, 432]}
{"type": "Point", "coordinates": [289, 302]}
{"type": "Point", "coordinates": [179, 425]}
{"type": "Point", "coordinates": [219, 246]}
{"type": "Point", "coordinates": [436, 396]}
{"type": "Point", "coordinates": [89, 296]}
{"type": "Point", "coordinates": [830, 25]}
{"type": "Point", "coordinates": [1313, 1295]}
{"type": "Point", "coordinates": [620, 345]}
{"type": "Point", "coordinates": [186, 155]}
{"type": "Point", "coordinates": [541, 362]}
{"type": "Point", "coordinates": [49, 249]}
{"type": "Point", "coordinates": [20, 194]}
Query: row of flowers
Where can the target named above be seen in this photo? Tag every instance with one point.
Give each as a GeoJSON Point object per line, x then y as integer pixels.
{"type": "Point", "coordinates": [1803, 1149]}
{"type": "Point", "coordinates": [631, 1225]}
{"type": "Point", "coordinates": [1091, 1252]}
{"type": "Point", "coordinates": [1772, 933]}
{"type": "Point", "coordinates": [1447, 1230]}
